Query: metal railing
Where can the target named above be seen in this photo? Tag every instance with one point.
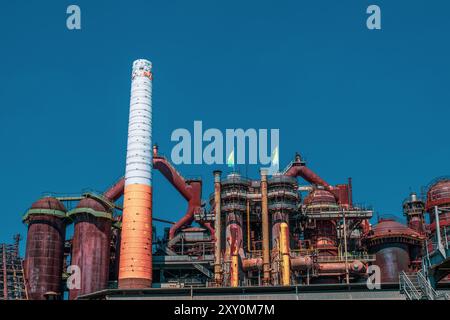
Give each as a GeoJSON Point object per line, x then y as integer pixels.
{"type": "Point", "coordinates": [408, 288]}
{"type": "Point", "coordinates": [428, 290]}
{"type": "Point", "coordinates": [350, 257]}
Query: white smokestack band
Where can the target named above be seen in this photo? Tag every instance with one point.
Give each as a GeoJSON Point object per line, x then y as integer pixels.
{"type": "Point", "coordinates": [139, 149]}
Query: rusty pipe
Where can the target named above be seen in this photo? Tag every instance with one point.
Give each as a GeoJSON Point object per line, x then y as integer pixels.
{"type": "Point", "coordinates": [265, 228]}
{"type": "Point", "coordinates": [302, 171]}
{"type": "Point", "coordinates": [195, 192]}
{"type": "Point", "coordinates": [218, 230]}
{"type": "Point", "coordinates": [171, 174]}
{"type": "Point", "coordinates": [234, 272]}
{"type": "Point", "coordinates": [210, 228]}
{"type": "Point", "coordinates": [190, 190]}
{"type": "Point", "coordinates": [355, 266]}
{"type": "Point", "coordinates": [116, 191]}
{"type": "Point", "coordinates": [252, 264]}
{"type": "Point", "coordinates": [301, 263]}
{"type": "Point", "coordinates": [249, 248]}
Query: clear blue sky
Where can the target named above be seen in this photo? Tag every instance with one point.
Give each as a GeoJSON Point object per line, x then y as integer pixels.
{"type": "Point", "coordinates": [373, 105]}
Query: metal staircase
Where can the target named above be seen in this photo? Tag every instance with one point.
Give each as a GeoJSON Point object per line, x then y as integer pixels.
{"type": "Point", "coordinates": [415, 286]}
{"type": "Point", "coordinates": [197, 266]}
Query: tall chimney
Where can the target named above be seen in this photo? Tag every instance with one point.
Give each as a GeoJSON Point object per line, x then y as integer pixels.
{"type": "Point", "coordinates": [135, 269]}
{"type": "Point", "coordinates": [218, 230]}
{"type": "Point", "coordinates": [265, 228]}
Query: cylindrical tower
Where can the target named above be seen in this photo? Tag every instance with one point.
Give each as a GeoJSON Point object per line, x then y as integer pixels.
{"type": "Point", "coordinates": [438, 195]}
{"type": "Point", "coordinates": [438, 205]}
{"type": "Point", "coordinates": [45, 247]}
{"type": "Point", "coordinates": [414, 209]}
{"type": "Point", "coordinates": [135, 270]}
{"type": "Point", "coordinates": [234, 191]}
{"type": "Point", "coordinates": [91, 245]}
{"type": "Point", "coordinates": [392, 244]}
{"type": "Point", "coordinates": [283, 200]}
{"type": "Point", "coordinates": [324, 233]}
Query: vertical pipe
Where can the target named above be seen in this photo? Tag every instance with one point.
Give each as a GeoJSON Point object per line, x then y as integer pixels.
{"type": "Point", "coordinates": [135, 270]}
{"type": "Point", "coordinates": [284, 250]}
{"type": "Point", "coordinates": [234, 256]}
{"type": "Point", "coordinates": [218, 230]}
{"type": "Point", "coordinates": [249, 249]}
{"type": "Point", "coordinates": [265, 228]}
{"type": "Point", "coordinates": [345, 248]}
{"type": "Point", "coordinates": [438, 229]}
{"type": "Point", "coordinates": [350, 193]}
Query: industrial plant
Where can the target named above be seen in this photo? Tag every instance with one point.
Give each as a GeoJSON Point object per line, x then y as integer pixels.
{"type": "Point", "coordinates": [289, 235]}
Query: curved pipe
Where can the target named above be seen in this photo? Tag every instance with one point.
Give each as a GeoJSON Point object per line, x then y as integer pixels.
{"type": "Point", "coordinates": [194, 205]}
{"type": "Point", "coordinates": [168, 171]}
{"type": "Point", "coordinates": [116, 191]}
{"type": "Point", "coordinates": [191, 191]}
{"type": "Point", "coordinates": [298, 170]}
{"type": "Point", "coordinates": [208, 225]}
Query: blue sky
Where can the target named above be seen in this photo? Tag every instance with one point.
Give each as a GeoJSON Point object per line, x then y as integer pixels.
{"type": "Point", "coordinates": [373, 105]}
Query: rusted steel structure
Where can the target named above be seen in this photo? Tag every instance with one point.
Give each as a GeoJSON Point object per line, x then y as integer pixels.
{"type": "Point", "coordinates": [437, 246]}
{"type": "Point", "coordinates": [438, 195]}
{"type": "Point", "coordinates": [12, 280]}
{"type": "Point", "coordinates": [265, 233]}
{"type": "Point", "coordinates": [414, 210]}
{"type": "Point", "coordinates": [396, 247]}
{"type": "Point", "coordinates": [43, 266]}
{"type": "Point", "coordinates": [91, 245]}
{"type": "Point", "coordinates": [272, 230]}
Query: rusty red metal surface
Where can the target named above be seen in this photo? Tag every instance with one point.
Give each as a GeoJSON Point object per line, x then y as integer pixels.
{"type": "Point", "coordinates": [44, 256]}
{"type": "Point", "coordinates": [233, 222]}
{"type": "Point", "coordinates": [388, 228]}
{"type": "Point", "coordinates": [438, 194]}
{"type": "Point", "coordinates": [392, 259]}
{"type": "Point", "coordinates": [392, 243]}
{"type": "Point", "coordinates": [277, 219]}
{"type": "Point", "coordinates": [325, 238]}
{"type": "Point", "coordinates": [91, 247]}
{"type": "Point", "coordinates": [319, 196]}
{"type": "Point", "coordinates": [342, 193]}
{"type": "Point", "coordinates": [307, 174]}
{"type": "Point", "coordinates": [191, 190]}
{"type": "Point", "coordinates": [116, 191]}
